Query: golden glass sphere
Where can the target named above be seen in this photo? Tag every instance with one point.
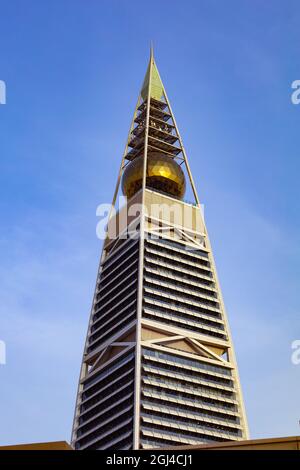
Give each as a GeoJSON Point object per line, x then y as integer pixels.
{"type": "Point", "coordinates": [163, 174]}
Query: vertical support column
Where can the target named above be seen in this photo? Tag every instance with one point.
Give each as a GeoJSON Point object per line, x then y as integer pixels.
{"type": "Point", "coordinates": [138, 354]}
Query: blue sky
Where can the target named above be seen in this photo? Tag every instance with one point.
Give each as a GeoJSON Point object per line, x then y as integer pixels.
{"type": "Point", "coordinates": [73, 70]}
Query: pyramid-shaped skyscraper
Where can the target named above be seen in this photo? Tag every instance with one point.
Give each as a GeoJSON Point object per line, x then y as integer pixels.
{"type": "Point", "coordinates": [158, 366]}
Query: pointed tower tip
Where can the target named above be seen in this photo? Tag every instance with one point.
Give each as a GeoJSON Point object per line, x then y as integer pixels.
{"type": "Point", "coordinates": [151, 50]}
{"type": "Point", "coordinates": [152, 83]}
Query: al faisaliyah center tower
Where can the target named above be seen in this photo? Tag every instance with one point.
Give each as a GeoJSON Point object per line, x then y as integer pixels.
{"type": "Point", "coordinates": [158, 366]}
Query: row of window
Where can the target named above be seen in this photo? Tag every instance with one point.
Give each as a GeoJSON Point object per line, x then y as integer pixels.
{"type": "Point", "coordinates": [108, 433]}
{"type": "Point", "coordinates": [115, 408]}
{"type": "Point", "coordinates": [104, 333]}
{"type": "Point", "coordinates": [118, 303]}
{"type": "Point", "coordinates": [176, 290]}
{"type": "Point", "coordinates": [163, 419]}
{"type": "Point", "coordinates": [181, 279]}
{"type": "Point", "coordinates": [119, 255]}
{"type": "Point", "coordinates": [183, 315]}
{"type": "Point", "coordinates": [110, 275]}
{"type": "Point", "coordinates": [102, 316]}
{"type": "Point", "coordinates": [190, 406]}
{"type": "Point", "coordinates": [198, 364]}
{"type": "Point", "coordinates": [153, 392]}
{"type": "Point", "coordinates": [117, 281]}
{"type": "Point", "coordinates": [184, 434]}
{"type": "Point", "coordinates": [174, 269]}
{"type": "Point", "coordinates": [176, 303]}
{"type": "Point", "coordinates": [116, 390]}
{"type": "Point", "coordinates": [171, 261]}
{"type": "Point", "coordinates": [181, 247]}
{"type": "Point", "coordinates": [181, 323]}
{"type": "Point", "coordinates": [187, 387]}
{"type": "Point", "coordinates": [109, 369]}
{"type": "Point", "coordinates": [165, 246]}
{"type": "Point", "coordinates": [175, 368]}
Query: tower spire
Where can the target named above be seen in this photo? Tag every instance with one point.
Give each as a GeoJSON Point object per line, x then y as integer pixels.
{"type": "Point", "coordinates": [151, 51]}
{"type": "Point", "coordinates": [152, 83]}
